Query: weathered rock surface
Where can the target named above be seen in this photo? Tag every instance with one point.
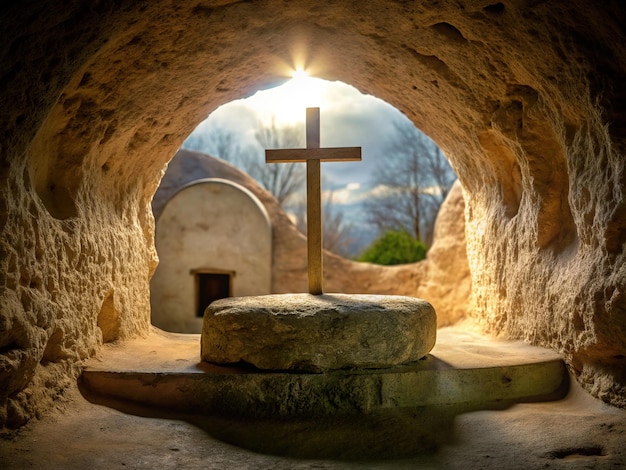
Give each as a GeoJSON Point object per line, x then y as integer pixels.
{"type": "Point", "coordinates": [463, 370]}
{"type": "Point", "coordinates": [525, 98]}
{"type": "Point", "coordinates": [315, 333]}
{"type": "Point", "coordinates": [446, 281]}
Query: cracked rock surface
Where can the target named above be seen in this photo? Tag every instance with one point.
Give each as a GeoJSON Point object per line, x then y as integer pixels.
{"type": "Point", "coordinates": [313, 333]}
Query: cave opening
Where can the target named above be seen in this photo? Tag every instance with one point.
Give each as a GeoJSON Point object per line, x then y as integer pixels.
{"type": "Point", "coordinates": [359, 205]}
{"type": "Point", "coordinates": [515, 93]}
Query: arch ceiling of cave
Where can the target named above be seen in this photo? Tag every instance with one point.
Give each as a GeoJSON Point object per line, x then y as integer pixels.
{"type": "Point", "coordinates": [156, 71]}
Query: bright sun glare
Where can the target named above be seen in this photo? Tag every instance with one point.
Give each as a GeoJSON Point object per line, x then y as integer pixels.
{"type": "Point", "coordinates": [299, 73]}
{"type": "Point", "coordinates": [286, 104]}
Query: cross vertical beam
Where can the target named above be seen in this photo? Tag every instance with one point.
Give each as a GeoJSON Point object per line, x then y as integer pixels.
{"type": "Point", "coordinates": [313, 155]}
{"type": "Point", "coordinates": [314, 204]}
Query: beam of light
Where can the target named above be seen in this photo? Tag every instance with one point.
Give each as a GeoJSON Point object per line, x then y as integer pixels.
{"type": "Point", "coordinates": [299, 74]}
{"type": "Point", "coordinates": [286, 104]}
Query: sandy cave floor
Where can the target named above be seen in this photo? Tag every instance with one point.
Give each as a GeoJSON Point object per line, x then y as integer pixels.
{"type": "Point", "coordinates": [576, 432]}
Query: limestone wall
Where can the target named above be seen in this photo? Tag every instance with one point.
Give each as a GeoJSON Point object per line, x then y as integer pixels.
{"type": "Point", "coordinates": [211, 225]}
{"type": "Point", "coordinates": [524, 97]}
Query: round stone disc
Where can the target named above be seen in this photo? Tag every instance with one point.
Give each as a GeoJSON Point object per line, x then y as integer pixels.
{"type": "Point", "coordinates": [315, 333]}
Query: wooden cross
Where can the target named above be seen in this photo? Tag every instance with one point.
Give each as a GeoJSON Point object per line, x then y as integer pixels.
{"type": "Point", "coordinates": [313, 155]}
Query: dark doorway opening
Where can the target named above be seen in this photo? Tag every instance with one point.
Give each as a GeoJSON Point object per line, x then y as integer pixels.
{"type": "Point", "coordinates": [211, 286]}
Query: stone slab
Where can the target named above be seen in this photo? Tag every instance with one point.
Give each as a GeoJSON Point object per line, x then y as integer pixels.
{"type": "Point", "coordinates": [189, 241]}
{"type": "Point", "coordinates": [464, 368]}
{"type": "Point", "coordinates": [313, 333]}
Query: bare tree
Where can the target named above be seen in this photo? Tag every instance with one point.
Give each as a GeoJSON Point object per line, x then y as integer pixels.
{"type": "Point", "coordinates": [336, 233]}
{"type": "Point", "coordinates": [280, 179]}
{"type": "Point", "coordinates": [410, 183]}
{"type": "Point", "coordinates": [218, 142]}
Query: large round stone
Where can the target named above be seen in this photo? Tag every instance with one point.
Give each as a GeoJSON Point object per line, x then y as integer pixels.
{"type": "Point", "coordinates": [314, 333]}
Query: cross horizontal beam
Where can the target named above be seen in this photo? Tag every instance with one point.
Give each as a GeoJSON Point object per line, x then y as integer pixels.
{"type": "Point", "coordinates": [313, 155]}
{"type": "Point", "coordinates": [329, 154]}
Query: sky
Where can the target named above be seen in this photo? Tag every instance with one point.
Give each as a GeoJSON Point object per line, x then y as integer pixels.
{"type": "Point", "coordinates": [348, 118]}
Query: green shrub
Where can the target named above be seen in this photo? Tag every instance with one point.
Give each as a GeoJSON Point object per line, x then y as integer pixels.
{"type": "Point", "coordinates": [394, 247]}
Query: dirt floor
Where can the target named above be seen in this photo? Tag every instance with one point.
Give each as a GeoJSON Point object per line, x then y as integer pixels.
{"type": "Point", "coordinates": [575, 432]}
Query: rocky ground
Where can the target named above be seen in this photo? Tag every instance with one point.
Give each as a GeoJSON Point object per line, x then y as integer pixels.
{"type": "Point", "coordinates": [576, 432]}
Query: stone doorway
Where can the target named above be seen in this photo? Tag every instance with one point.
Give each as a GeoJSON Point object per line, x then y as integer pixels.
{"type": "Point", "coordinates": [211, 285]}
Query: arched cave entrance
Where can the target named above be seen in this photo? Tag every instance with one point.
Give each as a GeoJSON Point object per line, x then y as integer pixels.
{"type": "Point", "coordinates": [100, 98]}
{"type": "Point", "coordinates": [350, 118]}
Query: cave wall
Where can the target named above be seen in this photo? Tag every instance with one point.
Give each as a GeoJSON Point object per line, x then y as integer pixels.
{"type": "Point", "coordinates": [525, 97]}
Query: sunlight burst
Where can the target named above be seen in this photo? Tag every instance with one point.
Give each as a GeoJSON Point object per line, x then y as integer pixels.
{"type": "Point", "coordinates": [286, 104]}
{"type": "Point", "coordinates": [299, 73]}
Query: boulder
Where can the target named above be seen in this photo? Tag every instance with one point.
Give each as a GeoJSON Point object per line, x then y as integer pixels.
{"type": "Point", "coordinates": [317, 333]}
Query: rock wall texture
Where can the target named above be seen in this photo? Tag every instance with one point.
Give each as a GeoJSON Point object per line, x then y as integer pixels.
{"type": "Point", "coordinates": [525, 97]}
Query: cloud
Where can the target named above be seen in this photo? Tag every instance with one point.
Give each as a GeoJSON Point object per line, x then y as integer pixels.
{"type": "Point", "coordinates": [343, 196]}
{"type": "Point", "coordinates": [348, 118]}
{"type": "Point", "coordinates": [382, 190]}
{"type": "Point", "coordinates": [355, 193]}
